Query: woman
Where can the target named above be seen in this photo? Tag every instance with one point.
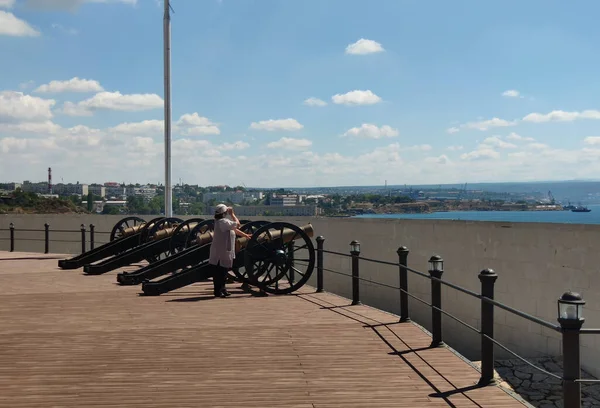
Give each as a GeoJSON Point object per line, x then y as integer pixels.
{"type": "Point", "coordinates": [222, 249]}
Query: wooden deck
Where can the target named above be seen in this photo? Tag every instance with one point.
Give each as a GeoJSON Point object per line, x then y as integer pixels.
{"type": "Point", "coordinates": [69, 340]}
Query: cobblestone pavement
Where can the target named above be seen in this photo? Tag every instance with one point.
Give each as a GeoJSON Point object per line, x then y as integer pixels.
{"type": "Point", "coordinates": [539, 389]}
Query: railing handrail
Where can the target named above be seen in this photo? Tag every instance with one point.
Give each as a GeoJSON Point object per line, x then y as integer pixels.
{"type": "Point", "coordinates": [91, 228]}
{"type": "Point", "coordinates": [471, 293]}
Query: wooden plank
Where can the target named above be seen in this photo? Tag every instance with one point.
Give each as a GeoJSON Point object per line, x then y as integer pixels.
{"type": "Point", "coordinates": [68, 340]}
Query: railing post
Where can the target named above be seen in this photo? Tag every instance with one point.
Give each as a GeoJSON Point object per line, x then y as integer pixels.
{"type": "Point", "coordinates": [46, 238]}
{"type": "Point", "coordinates": [12, 237]}
{"type": "Point", "coordinates": [403, 261]}
{"type": "Point", "coordinates": [488, 278]}
{"type": "Point", "coordinates": [570, 317]}
{"type": "Point", "coordinates": [82, 238]}
{"type": "Point", "coordinates": [320, 241]}
{"type": "Point", "coordinates": [436, 270]}
{"type": "Point", "coordinates": [355, 252]}
{"type": "Point", "coordinates": [92, 227]}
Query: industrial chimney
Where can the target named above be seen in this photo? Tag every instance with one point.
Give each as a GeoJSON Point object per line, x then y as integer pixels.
{"type": "Point", "coordinates": [49, 180]}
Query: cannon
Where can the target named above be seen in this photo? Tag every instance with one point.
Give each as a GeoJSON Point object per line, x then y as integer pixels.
{"type": "Point", "coordinates": [125, 235]}
{"type": "Point", "coordinates": [154, 246]}
{"type": "Point", "coordinates": [185, 250]}
{"type": "Point", "coordinates": [278, 259]}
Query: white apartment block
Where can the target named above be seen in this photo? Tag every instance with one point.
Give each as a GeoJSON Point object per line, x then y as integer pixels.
{"type": "Point", "coordinates": [284, 200]}
{"type": "Point", "coordinates": [97, 190]}
{"type": "Point", "coordinates": [273, 210]}
{"type": "Point", "coordinates": [236, 197]}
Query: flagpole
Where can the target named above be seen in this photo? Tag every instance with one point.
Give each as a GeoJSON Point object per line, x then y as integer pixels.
{"type": "Point", "coordinates": [167, 104]}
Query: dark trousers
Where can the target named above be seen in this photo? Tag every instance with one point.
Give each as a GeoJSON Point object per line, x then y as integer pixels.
{"type": "Point", "coordinates": [219, 275]}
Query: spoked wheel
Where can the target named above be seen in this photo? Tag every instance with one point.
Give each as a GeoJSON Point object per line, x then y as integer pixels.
{"type": "Point", "coordinates": [118, 230]}
{"type": "Point", "coordinates": [249, 227]}
{"type": "Point", "coordinates": [157, 232]}
{"type": "Point", "coordinates": [200, 228]}
{"type": "Point", "coordinates": [146, 228]}
{"type": "Point", "coordinates": [279, 258]}
{"type": "Point", "coordinates": [180, 237]}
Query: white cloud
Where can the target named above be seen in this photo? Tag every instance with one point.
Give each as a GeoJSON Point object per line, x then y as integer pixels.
{"type": "Point", "coordinates": [69, 5]}
{"type": "Point", "coordinates": [369, 131]}
{"type": "Point", "coordinates": [314, 102]}
{"type": "Point", "coordinates": [26, 85]}
{"type": "Point", "coordinates": [192, 124]}
{"type": "Point", "coordinates": [538, 146]}
{"type": "Point", "coordinates": [63, 29]}
{"type": "Point", "coordinates": [561, 116]}
{"type": "Point", "coordinates": [364, 46]}
{"type": "Point", "coordinates": [512, 93]}
{"type": "Point", "coordinates": [356, 97]}
{"type": "Point", "coordinates": [592, 140]}
{"type": "Point", "coordinates": [70, 85]}
{"type": "Point", "coordinates": [203, 130]}
{"type": "Point", "coordinates": [499, 143]}
{"type": "Point", "coordinates": [239, 145]}
{"type": "Point", "coordinates": [277, 124]}
{"type": "Point", "coordinates": [7, 3]}
{"type": "Point", "coordinates": [113, 101]}
{"type": "Point", "coordinates": [16, 106]}
{"type": "Point", "coordinates": [452, 130]}
{"type": "Point", "coordinates": [488, 124]}
{"type": "Point", "coordinates": [189, 124]}
{"type": "Point", "coordinates": [288, 143]}
{"type": "Point", "coordinates": [98, 155]}
{"type": "Point", "coordinates": [482, 152]}
{"type": "Point", "coordinates": [455, 148]}
{"type": "Point", "coordinates": [15, 27]}
{"type": "Point", "coordinates": [418, 148]}
{"type": "Point", "coordinates": [145, 127]}
{"type": "Point", "coordinates": [517, 137]}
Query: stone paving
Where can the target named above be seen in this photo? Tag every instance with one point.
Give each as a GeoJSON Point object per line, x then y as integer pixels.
{"type": "Point", "coordinates": [539, 389]}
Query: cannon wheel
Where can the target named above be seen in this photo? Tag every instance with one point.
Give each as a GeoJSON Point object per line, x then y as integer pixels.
{"type": "Point", "coordinates": [180, 240]}
{"type": "Point", "coordinates": [146, 227]}
{"type": "Point", "coordinates": [276, 266]}
{"type": "Point", "coordinates": [160, 225]}
{"type": "Point", "coordinates": [127, 222]}
{"type": "Point", "coordinates": [249, 227]}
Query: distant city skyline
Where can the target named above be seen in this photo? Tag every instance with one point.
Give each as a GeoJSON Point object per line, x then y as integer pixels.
{"type": "Point", "coordinates": [301, 93]}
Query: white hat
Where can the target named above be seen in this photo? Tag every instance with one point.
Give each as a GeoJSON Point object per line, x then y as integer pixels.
{"type": "Point", "coordinates": [220, 209]}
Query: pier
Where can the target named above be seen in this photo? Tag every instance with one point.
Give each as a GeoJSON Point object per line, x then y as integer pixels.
{"type": "Point", "coordinates": [71, 340]}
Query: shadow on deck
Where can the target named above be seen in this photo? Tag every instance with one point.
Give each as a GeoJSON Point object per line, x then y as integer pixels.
{"type": "Point", "coordinates": [73, 340]}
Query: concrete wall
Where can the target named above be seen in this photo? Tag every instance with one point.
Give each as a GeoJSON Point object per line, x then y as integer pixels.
{"type": "Point", "coordinates": [535, 262]}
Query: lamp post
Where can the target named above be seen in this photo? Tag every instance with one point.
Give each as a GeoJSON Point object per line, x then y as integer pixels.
{"type": "Point", "coordinates": [355, 252]}
{"type": "Point", "coordinates": [436, 269]}
{"type": "Point", "coordinates": [570, 317]}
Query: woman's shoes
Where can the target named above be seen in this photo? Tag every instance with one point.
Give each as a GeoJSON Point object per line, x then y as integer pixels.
{"type": "Point", "coordinates": [223, 294]}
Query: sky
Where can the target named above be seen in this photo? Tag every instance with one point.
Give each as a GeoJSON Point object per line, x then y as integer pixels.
{"type": "Point", "coordinates": [301, 93]}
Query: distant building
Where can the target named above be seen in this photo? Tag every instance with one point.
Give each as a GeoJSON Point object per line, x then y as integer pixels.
{"type": "Point", "coordinates": [284, 200]}
{"type": "Point", "coordinates": [97, 190]}
{"type": "Point", "coordinates": [69, 189]}
{"type": "Point", "coordinates": [268, 210]}
{"type": "Point", "coordinates": [235, 197]}
{"type": "Point", "coordinates": [10, 186]}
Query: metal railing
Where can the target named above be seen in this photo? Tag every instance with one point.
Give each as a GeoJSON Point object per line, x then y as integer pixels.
{"type": "Point", "coordinates": [12, 230]}
{"type": "Point", "coordinates": [570, 329]}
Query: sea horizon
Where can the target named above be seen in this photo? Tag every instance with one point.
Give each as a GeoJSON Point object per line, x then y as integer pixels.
{"type": "Point", "coordinates": [554, 217]}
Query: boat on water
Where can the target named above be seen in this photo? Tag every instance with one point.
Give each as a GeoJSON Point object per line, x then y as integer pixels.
{"type": "Point", "coordinates": [581, 209]}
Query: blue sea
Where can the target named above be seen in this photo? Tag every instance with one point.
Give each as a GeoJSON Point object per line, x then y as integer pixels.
{"type": "Point", "coordinates": [562, 217]}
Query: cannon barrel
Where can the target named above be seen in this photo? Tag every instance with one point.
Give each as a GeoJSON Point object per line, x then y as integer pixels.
{"type": "Point", "coordinates": [167, 232]}
{"type": "Point", "coordinates": [241, 242]}
{"type": "Point", "coordinates": [132, 230]}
